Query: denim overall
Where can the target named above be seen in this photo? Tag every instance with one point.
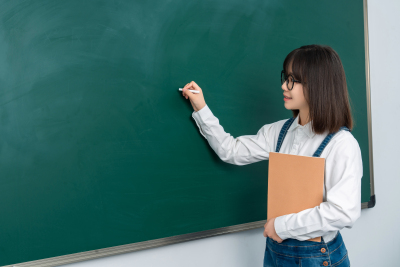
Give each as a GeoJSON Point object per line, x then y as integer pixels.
{"type": "Point", "coordinates": [292, 252]}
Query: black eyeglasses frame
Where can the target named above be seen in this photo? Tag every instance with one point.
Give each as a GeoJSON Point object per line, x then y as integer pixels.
{"type": "Point", "coordinates": [286, 79]}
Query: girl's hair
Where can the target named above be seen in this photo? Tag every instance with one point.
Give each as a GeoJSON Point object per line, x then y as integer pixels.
{"type": "Point", "coordinates": [324, 83]}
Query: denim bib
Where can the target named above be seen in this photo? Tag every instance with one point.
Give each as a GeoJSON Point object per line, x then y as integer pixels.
{"type": "Point", "coordinates": [321, 147]}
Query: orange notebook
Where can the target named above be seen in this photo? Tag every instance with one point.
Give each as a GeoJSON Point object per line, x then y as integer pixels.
{"type": "Point", "coordinates": [295, 183]}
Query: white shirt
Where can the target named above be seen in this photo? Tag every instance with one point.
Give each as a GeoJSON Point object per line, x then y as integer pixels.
{"type": "Point", "coordinates": [341, 205]}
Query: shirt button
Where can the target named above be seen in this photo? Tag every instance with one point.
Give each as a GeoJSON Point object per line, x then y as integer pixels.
{"type": "Point", "coordinates": [325, 263]}
{"type": "Point", "coordinates": [323, 250]}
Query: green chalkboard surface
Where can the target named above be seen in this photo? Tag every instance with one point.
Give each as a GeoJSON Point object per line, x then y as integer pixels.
{"type": "Point", "coordinates": [97, 145]}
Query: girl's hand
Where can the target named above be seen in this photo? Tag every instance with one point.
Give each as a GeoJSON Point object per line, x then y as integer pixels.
{"type": "Point", "coordinates": [270, 230]}
{"type": "Point", "coordinates": [197, 100]}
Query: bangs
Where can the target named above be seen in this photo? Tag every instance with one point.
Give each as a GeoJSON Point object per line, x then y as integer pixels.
{"type": "Point", "coordinates": [296, 61]}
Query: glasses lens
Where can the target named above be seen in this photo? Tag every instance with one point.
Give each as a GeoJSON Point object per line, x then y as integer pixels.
{"type": "Point", "coordinates": [283, 78]}
{"type": "Point", "coordinates": [290, 82]}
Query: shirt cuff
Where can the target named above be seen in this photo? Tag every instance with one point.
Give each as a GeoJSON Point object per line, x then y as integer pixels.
{"type": "Point", "coordinates": [202, 114]}
{"type": "Point", "coordinates": [280, 228]}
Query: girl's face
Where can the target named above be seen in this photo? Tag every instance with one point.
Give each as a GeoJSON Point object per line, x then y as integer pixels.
{"type": "Point", "coordinates": [297, 99]}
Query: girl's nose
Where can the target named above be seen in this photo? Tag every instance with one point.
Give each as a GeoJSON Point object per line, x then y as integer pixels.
{"type": "Point", "coordinates": [284, 87]}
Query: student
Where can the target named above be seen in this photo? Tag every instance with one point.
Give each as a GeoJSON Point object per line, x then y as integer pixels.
{"type": "Point", "coordinates": [314, 88]}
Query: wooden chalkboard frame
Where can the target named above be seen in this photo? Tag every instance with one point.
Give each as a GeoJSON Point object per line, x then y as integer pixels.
{"type": "Point", "coordinates": [99, 253]}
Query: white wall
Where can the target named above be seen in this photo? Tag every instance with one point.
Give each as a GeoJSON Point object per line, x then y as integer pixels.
{"type": "Point", "coordinates": [375, 238]}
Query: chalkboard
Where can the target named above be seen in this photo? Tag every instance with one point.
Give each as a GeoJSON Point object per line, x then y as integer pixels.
{"type": "Point", "coordinates": [98, 150]}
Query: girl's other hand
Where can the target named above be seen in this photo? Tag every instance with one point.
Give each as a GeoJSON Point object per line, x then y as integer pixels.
{"type": "Point", "coordinates": [197, 100]}
{"type": "Point", "coordinates": [269, 230]}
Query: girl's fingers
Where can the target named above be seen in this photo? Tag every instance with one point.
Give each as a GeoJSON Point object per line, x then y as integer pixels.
{"type": "Point", "coordinates": [183, 90]}
{"type": "Point", "coordinates": [191, 85]}
{"type": "Point", "coordinates": [194, 85]}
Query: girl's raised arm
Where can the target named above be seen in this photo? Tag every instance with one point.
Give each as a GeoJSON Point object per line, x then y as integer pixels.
{"type": "Point", "coordinates": [242, 150]}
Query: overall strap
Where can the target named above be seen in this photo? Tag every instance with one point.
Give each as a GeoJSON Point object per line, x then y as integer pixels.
{"type": "Point", "coordinates": [283, 132]}
{"type": "Point", "coordinates": [327, 139]}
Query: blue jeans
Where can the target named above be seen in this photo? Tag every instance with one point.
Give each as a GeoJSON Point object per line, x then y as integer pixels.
{"type": "Point", "coordinates": [292, 252]}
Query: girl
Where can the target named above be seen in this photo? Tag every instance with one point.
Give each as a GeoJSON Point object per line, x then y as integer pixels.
{"type": "Point", "coordinates": [314, 88]}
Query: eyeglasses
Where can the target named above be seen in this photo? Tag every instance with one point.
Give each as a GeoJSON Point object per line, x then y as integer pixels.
{"type": "Point", "coordinates": [289, 80]}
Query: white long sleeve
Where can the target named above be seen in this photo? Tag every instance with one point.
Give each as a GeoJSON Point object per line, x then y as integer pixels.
{"type": "Point", "coordinates": [341, 205]}
{"type": "Point", "coordinates": [242, 150]}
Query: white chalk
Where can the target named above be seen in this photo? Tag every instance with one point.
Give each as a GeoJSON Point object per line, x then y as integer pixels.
{"type": "Point", "coordinates": [193, 91]}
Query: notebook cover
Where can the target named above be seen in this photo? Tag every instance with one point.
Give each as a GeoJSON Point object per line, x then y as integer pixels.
{"type": "Point", "coordinates": [295, 183]}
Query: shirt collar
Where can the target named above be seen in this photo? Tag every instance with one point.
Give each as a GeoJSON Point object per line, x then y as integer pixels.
{"type": "Point", "coordinates": [306, 128]}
